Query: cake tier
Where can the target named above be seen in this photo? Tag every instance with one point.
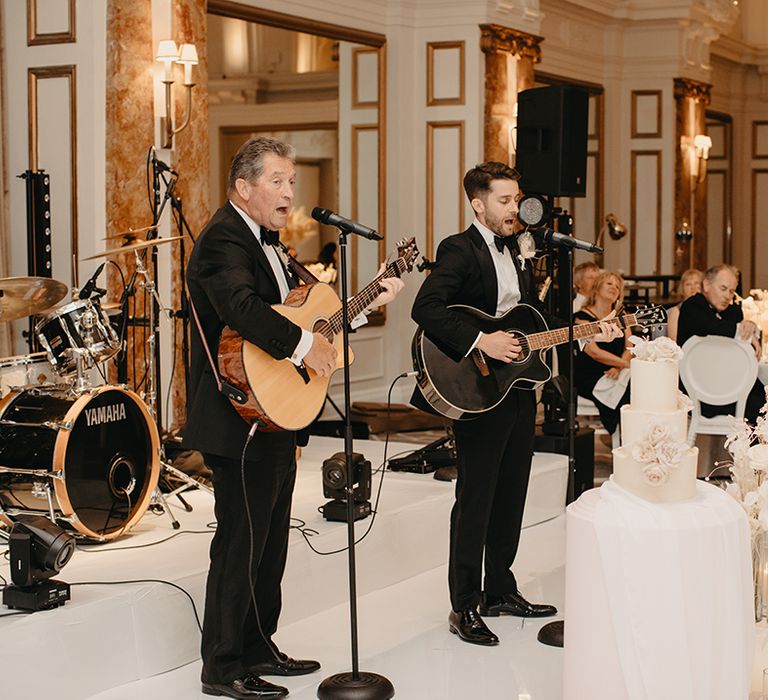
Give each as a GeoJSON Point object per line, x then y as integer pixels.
{"type": "Point", "coordinates": [680, 486]}
{"type": "Point", "coordinates": [653, 385]}
{"type": "Point", "coordinates": [635, 424]}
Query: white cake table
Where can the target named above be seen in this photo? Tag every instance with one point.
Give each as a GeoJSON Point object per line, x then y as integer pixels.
{"type": "Point", "coordinates": [658, 599]}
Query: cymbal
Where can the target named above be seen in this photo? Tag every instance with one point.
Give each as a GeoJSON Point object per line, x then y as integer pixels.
{"type": "Point", "coordinates": [132, 246]}
{"type": "Point", "coordinates": [25, 296]}
{"type": "Point", "coordinates": [130, 233]}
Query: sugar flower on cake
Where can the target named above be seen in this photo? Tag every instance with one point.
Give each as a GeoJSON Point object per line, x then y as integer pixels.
{"type": "Point", "coordinates": [658, 453]}
{"type": "Point", "coordinates": [661, 349]}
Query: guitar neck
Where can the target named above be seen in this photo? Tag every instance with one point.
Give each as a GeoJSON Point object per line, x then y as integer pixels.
{"type": "Point", "coordinates": [558, 336]}
{"type": "Point", "coordinates": [362, 299]}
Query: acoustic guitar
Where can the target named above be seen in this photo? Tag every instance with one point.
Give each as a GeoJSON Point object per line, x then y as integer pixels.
{"type": "Point", "coordinates": [476, 383]}
{"type": "Point", "coordinates": [277, 393]}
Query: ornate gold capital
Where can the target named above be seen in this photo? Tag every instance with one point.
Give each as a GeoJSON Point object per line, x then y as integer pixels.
{"type": "Point", "coordinates": [685, 87]}
{"type": "Point", "coordinates": [495, 38]}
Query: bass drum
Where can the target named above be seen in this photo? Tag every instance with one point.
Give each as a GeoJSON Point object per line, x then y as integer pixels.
{"type": "Point", "coordinates": [89, 461]}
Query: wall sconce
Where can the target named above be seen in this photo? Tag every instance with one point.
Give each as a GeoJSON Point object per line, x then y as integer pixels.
{"type": "Point", "coordinates": [698, 149]}
{"type": "Point", "coordinates": [168, 54]}
{"type": "Point", "coordinates": [615, 229]}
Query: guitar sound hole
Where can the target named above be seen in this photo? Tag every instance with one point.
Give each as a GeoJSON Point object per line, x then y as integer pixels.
{"type": "Point", "coordinates": [525, 350]}
{"type": "Point", "coordinates": [324, 328]}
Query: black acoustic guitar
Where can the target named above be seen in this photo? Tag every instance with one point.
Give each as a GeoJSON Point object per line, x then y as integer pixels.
{"type": "Point", "coordinates": [476, 383]}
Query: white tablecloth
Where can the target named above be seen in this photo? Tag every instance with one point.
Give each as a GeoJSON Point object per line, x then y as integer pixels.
{"type": "Point", "coordinates": [658, 600]}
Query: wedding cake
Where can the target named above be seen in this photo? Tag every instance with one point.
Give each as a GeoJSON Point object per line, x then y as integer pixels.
{"type": "Point", "coordinates": [654, 461]}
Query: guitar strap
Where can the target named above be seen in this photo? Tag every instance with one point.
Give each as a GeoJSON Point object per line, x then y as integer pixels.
{"type": "Point", "coordinates": [231, 392]}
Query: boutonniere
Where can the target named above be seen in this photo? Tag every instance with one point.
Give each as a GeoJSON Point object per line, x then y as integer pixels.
{"type": "Point", "coordinates": [282, 255]}
{"type": "Point", "coordinates": [527, 247]}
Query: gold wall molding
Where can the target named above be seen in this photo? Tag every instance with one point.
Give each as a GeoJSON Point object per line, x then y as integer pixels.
{"type": "Point", "coordinates": [34, 38]}
{"type": "Point", "coordinates": [637, 200]}
{"type": "Point", "coordinates": [34, 76]}
{"type": "Point", "coordinates": [357, 129]}
{"type": "Point", "coordinates": [759, 128]}
{"type": "Point", "coordinates": [496, 38]}
{"type": "Point", "coordinates": [357, 103]}
{"type": "Point", "coordinates": [432, 48]}
{"type": "Point", "coordinates": [637, 133]}
{"type": "Point", "coordinates": [754, 222]}
{"type": "Point", "coordinates": [432, 127]}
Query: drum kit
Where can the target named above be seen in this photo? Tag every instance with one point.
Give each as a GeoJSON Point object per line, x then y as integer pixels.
{"type": "Point", "coordinates": [84, 453]}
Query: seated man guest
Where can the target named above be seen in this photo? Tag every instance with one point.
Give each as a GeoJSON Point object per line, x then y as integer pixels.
{"type": "Point", "coordinates": [584, 276]}
{"type": "Point", "coordinates": [713, 312]}
{"type": "Point", "coordinates": [602, 359]}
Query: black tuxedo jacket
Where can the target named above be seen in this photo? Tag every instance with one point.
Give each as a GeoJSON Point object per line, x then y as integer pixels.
{"type": "Point", "coordinates": [464, 274]}
{"type": "Point", "coordinates": [697, 317]}
{"type": "Point", "coordinates": [231, 283]}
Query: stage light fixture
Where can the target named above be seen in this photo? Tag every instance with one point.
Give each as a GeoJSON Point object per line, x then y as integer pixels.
{"type": "Point", "coordinates": [38, 550]}
{"type": "Point", "coordinates": [335, 487]}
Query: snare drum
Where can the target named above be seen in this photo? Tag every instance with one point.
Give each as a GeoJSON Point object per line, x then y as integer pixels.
{"type": "Point", "coordinates": [25, 370]}
{"type": "Point", "coordinates": [91, 462]}
{"type": "Point", "coordinates": [79, 326]}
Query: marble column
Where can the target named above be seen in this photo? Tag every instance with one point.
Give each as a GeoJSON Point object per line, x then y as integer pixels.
{"type": "Point", "coordinates": [691, 100]}
{"type": "Point", "coordinates": [192, 162]}
{"type": "Point", "coordinates": [509, 59]}
{"type": "Point", "coordinates": [129, 134]}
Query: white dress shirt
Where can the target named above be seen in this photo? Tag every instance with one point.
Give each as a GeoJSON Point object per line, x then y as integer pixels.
{"type": "Point", "coordinates": [305, 343]}
{"type": "Point", "coordinates": [507, 282]}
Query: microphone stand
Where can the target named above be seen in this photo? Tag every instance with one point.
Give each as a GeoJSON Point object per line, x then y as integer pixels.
{"type": "Point", "coordinates": [356, 685]}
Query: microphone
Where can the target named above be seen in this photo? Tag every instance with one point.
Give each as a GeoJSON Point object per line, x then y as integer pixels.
{"type": "Point", "coordinates": [326, 216]}
{"type": "Point", "coordinates": [547, 235]}
{"type": "Point", "coordinates": [90, 286]}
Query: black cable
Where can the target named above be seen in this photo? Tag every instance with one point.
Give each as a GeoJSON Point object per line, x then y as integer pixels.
{"type": "Point", "coordinates": [307, 532]}
{"type": "Point", "coordinates": [145, 580]}
{"type": "Point", "coordinates": [99, 547]}
{"type": "Point", "coordinates": [267, 641]}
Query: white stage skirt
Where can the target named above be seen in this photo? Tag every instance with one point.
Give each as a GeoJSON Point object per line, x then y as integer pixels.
{"type": "Point", "coordinates": [659, 598]}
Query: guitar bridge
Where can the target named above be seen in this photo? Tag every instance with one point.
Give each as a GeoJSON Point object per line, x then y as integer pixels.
{"type": "Point", "coordinates": [302, 370]}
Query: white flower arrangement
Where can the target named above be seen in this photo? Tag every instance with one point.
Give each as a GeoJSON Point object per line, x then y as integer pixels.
{"type": "Point", "coordinates": [748, 447]}
{"type": "Point", "coordinates": [661, 349]}
{"type": "Point", "coordinates": [658, 453]}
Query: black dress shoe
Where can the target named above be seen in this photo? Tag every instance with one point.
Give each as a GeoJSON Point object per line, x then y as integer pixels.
{"type": "Point", "coordinates": [246, 689]}
{"type": "Point", "coordinates": [471, 628]}
{"type": "Point", "coordinates": [284, 666]}
{"type": "Point", "coordinates": [513, 604]}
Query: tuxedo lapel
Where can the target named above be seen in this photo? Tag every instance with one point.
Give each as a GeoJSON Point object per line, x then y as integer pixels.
{"type": "Point", "coordinates": [487, 270]}
{"type": "Point", "coordinates": [256, 248]}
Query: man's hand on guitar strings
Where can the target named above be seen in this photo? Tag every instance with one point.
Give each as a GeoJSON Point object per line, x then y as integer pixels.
{"type": "Point", "coordinates": [499, 345]}
{"type": "Point", "coordinates": [391, 287]}
{"type": "Point", "coordinates": [321, 356]}
{"type": "Point", "coordinates": [608, 330]}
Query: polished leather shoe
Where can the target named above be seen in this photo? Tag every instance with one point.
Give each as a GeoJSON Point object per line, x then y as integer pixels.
{"type": "Point", "coordinates": [471, 628]}
{"type": "Point", "coordinates": [284, 666]}
{"type": "Point", "coordinates": [246, 689]}
{"type": "Point", "coordinates": [513, 604]}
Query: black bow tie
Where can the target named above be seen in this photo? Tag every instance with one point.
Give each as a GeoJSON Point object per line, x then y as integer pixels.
{"type": "Point", "coordinates": [502, 242]}
{"type": "Point", "coordinates": [269, 237]}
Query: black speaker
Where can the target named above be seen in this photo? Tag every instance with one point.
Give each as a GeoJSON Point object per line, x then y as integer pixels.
{"type": "Point", "coordinates": [552, 140]}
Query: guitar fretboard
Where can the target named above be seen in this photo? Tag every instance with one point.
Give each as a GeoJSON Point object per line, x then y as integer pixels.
{"type": "Point", "coordinates": [558, 336]}
{"type": "Point", "coordinates": [361, 300]}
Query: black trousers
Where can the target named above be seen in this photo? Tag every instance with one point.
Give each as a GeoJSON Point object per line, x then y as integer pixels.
{"type": "Point", "coordinates": [235, 636]}
{"type": "Point", "coordinates": [494, 464]}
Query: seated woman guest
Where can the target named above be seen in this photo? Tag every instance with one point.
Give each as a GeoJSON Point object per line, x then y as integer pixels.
{"type": "Point", "coordinates": [602, 359]}
{"type": "Point", "coordinates": [690, 284]}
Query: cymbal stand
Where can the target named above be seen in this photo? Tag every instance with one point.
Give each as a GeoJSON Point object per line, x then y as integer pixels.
{"type": "Point", "coordinates": [150, 397]}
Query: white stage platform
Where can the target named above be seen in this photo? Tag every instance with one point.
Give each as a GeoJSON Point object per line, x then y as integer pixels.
{"type": "Point", "coordinates": [123, 641]}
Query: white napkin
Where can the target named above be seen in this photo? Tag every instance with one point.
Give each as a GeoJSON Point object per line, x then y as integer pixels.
{"type": "Point", "coordinates": [608, 391]}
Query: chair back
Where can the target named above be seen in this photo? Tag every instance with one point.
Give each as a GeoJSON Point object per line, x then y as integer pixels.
{"type": "Point", "coordinates": [718, 371]}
